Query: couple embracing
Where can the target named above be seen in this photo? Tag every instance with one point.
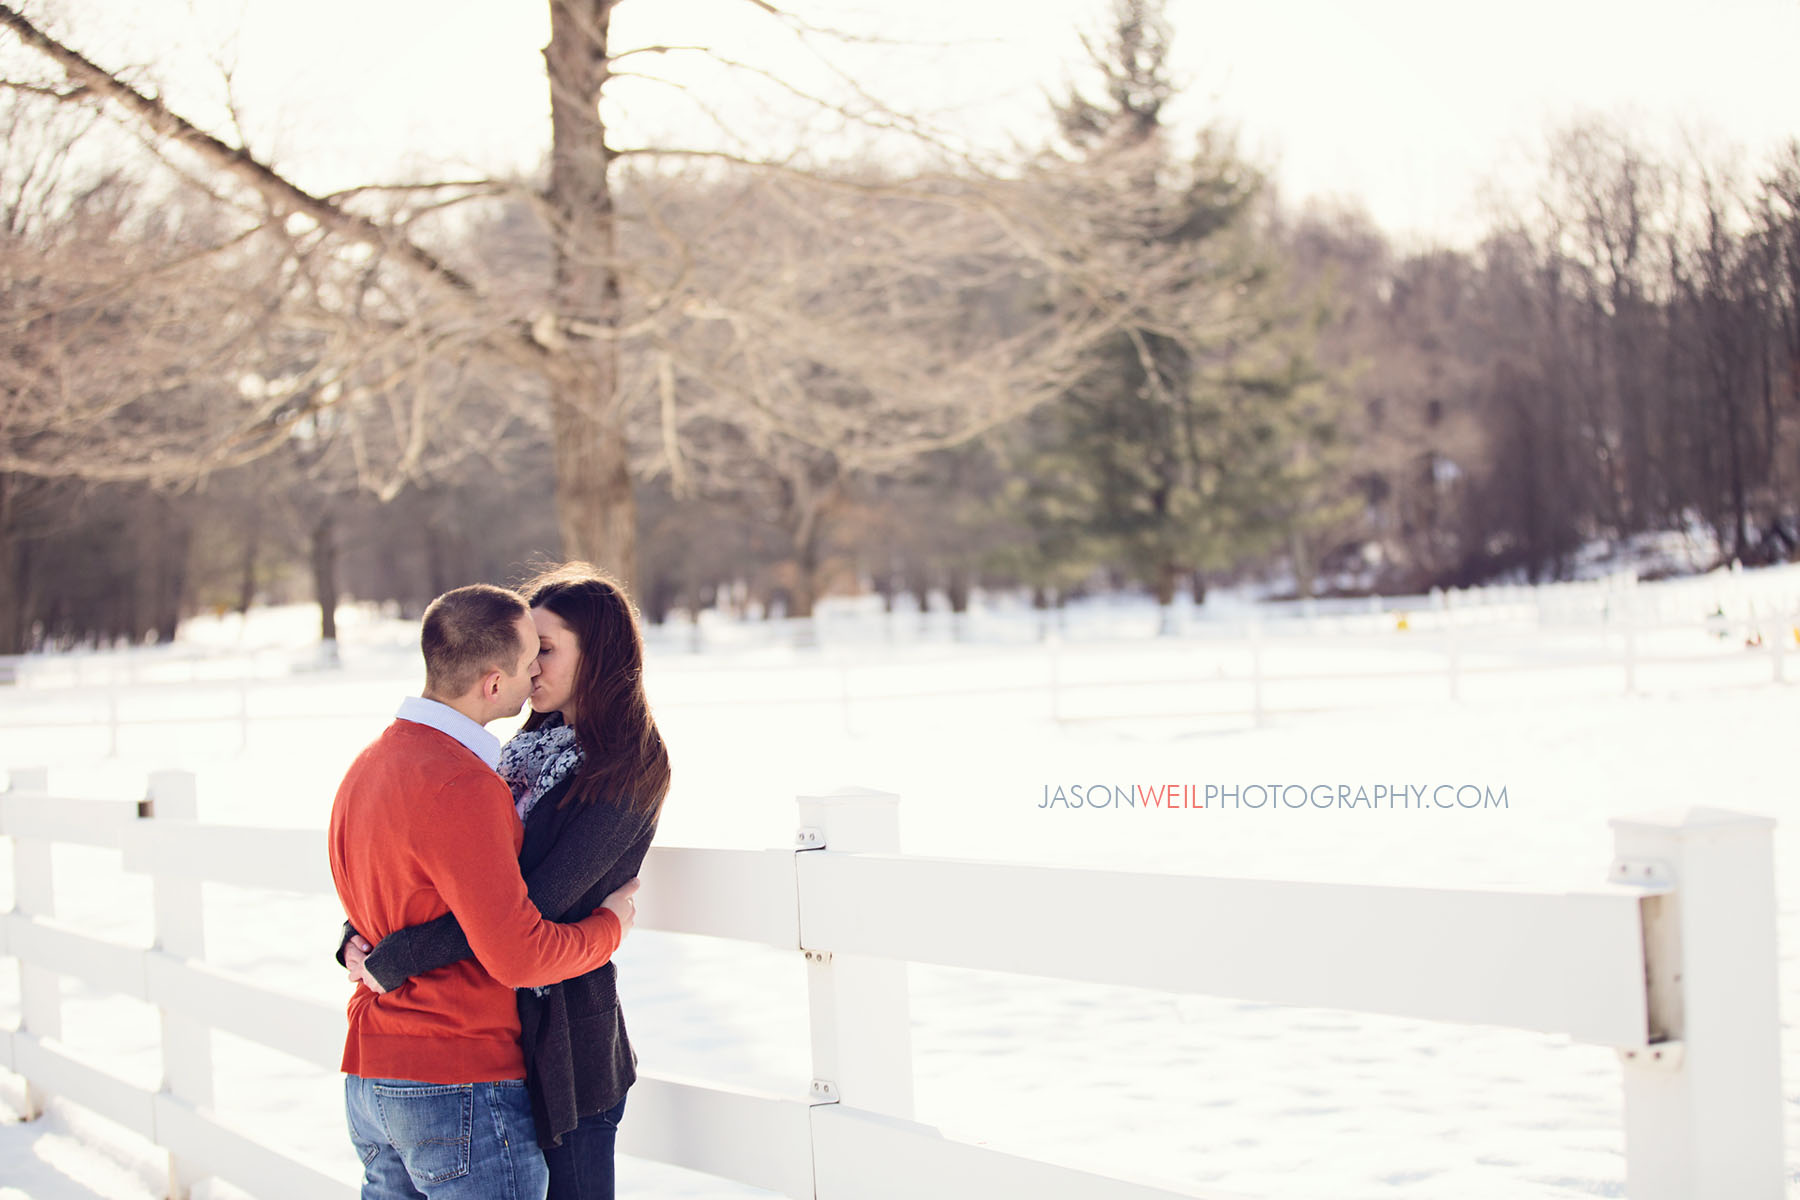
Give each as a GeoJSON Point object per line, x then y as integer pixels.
{"type": "Point", "coordinates": [487, 888]}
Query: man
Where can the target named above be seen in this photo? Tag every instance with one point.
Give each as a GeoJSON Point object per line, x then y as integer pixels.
{"type": "Point", "coordinates": [421, 826]}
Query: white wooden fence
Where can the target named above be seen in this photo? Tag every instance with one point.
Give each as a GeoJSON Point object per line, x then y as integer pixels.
{"type": "Point", "coordinates": [1445, 651]}
{"type": "Point", "coordinates": [1671, 959]}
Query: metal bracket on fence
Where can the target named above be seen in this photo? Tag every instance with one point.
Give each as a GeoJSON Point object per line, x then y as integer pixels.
{"type": "Point", "coordinates": [1645, 872]}
{"type": "Point", "coordinates": [822, 957]}
{"type": "Point", "coordinates": [824, 1091]}
{"type": "Point", "coordinates": [809, 838]}
{"type": "Point", "coordinates": [1661, 1056]}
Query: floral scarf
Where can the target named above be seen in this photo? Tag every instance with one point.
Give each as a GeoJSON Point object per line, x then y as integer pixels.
{"type": "Point", "coordinates": [533, 762]}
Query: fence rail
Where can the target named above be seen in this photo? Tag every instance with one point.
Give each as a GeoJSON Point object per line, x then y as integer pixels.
{"type": "Point", "coordinates": [1235, 673]}
{"type": "Point", "coordinates": [1670, 959]}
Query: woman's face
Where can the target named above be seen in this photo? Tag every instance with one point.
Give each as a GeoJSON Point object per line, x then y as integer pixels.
{"type": "Point", "coordinates": [559, 654]}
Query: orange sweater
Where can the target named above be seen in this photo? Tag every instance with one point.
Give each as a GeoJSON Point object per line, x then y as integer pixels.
{"type": "Point", "coordinates": [421, 827]}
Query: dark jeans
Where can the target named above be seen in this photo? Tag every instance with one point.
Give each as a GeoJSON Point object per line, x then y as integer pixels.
{"type": "Point", "coordinates": [582, 1167]}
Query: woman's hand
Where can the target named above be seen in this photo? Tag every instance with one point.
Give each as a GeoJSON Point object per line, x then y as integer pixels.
{"type": "Point", "coordinates": [355, 951]}
{"type": "Point", "coordinates": [622, 905]}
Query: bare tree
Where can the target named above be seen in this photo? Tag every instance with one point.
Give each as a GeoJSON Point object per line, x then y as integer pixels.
{"type": "Point", "coordinates": [571, 340]}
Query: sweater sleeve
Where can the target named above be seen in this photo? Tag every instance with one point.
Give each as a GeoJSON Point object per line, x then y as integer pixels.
{"type": "Point", "coordinates": [464, 842]}
{"type": "Point", "coordinates": [596, 840]}
{"type": "Point", "coordinates": [417, 949]}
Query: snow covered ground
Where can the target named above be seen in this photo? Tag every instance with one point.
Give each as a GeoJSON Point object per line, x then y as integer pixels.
{"type": "Point", "coordinates": [1250, 1099]}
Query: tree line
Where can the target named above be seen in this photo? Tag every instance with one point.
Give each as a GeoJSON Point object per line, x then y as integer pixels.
{"type": "Point", "coordinates": [1115, 359]}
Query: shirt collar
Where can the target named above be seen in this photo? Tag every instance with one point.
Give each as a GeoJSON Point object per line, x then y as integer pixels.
{"type": "Point", "coordinates": [447, 720]}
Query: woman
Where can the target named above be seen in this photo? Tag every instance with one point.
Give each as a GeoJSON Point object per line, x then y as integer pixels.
{"type": "Point", "coordinates": [588, 773]}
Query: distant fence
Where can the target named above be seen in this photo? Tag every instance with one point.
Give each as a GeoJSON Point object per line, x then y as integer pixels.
{"type": "Point", "coordinates": [1250, 670]}
{"type": "Point", "coordinates": [1672, 960]}
{"type": "Point", "coordinates": [1756, 594]}
{"type": "Point", "coordinates": [1759, 600]}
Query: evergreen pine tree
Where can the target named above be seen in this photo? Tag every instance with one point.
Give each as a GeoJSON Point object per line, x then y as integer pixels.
{"type": "Point", "coordinates": [1198, 433]}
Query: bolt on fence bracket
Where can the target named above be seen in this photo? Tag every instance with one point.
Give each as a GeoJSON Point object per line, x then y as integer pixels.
{"type": "Point", "coordinates": [1641, 872]}
{"type": "Point", "coordinates": [1664, 1056]}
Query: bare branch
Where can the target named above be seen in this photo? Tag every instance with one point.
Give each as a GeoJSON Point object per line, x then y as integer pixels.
{"type": "Point", "coordinates": [486, 187]}
{"type": "Point", "coordinates": [77, 92]}
{"type": "Point", "coordinates": [281, 195]}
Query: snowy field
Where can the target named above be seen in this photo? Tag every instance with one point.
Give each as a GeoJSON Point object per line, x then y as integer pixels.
{"type": "Point", "coordinates": [1240, 1098]}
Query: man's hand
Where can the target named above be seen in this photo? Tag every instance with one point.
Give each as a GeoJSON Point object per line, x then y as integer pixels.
{"type": "Point", "coordinates": [355, 951]}
{"type": "Point", "coordinates": [622, 905]}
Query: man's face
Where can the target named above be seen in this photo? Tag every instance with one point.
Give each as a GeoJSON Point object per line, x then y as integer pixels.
{"type": "Point", "coordinates": [516, 687]}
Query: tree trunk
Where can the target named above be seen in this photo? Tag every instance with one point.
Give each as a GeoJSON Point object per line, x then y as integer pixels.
{"type": "Point", "coordinates": [1165, 584]}
{"type": "Point", "coordinates": [1740, 534]}
{"type": "Point", "coordinates": [12, 614]}
{"type": "Point", "coordinates": [595, 507]}
{"type": "Point", "coordinates": [808, 536]}
{"type": "Point", "coordinates": [13, 618]}
{"type": "Point", "coordinates": [1165, 599]}
{"type": "Point", "coordinates": [247, 565]}
{"type": "Point", "coordinates": [169, 570]}
{"type": "Point", "coordinates": [659, 598]}
{"type": "Point", "coordinates": [919, 584]}
{"type": "Point", "coordinates": [1770, 466]}
{"type": "Point", "coordinates": [1303, 568]}
{"type": "Point", "coordinates": [806, 577]}
{"type": "Point", "coordinates": [1197, 585]}
{"type": "Point", "coordinates": [440, 572]}
{"type": "Point", "coordinates": [957, 586]}
{"type": "Point", "coordinates": [325, 578]}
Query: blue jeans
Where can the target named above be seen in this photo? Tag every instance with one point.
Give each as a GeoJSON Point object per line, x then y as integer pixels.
{"type": "Point", "coordinates": [445, 1141]}
{"type": "Point", "coordinates": [582, 1167]}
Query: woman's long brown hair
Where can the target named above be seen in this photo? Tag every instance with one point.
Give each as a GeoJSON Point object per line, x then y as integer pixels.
{"type": "Point", "coordinates": [623, 757]}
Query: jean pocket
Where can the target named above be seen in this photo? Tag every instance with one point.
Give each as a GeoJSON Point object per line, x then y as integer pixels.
{"type": "Point", "coordinates": [361, 1135]}
{"type": "Point", "coordinates": [429, 1126]}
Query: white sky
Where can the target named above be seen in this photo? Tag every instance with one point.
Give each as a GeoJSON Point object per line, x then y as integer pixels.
{"type": "Point", "coordinates": [1405, 105]}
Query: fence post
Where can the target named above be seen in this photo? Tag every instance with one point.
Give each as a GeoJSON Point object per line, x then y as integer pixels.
{"type": "Point", "coordinates": [112, 719]}
{"type": "Point", "coordinates": [1630, 652]}
{"type": "Point", "coordinates": [34, 895]}
{"type": "Point", "coordinates": [859, 1011]}
{"type": "Point", "coordinates": [1450, 645]}
{"type": "Point", "coordinates": [1254, 630]}
{"type": "Point", "coordinates": [1628, 615]}
{"type": "Point", "coordinates": [243, 699]}
{"type": "Point", "coordinates": [180, 932]}
{"type": "Point", "coordinates": [843, 674]}
{"type": "Point", "coordinates": [1706, 1118]}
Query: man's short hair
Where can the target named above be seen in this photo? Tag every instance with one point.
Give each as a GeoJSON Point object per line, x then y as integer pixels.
{"type": "Point", "coordinates": [469, 631]}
